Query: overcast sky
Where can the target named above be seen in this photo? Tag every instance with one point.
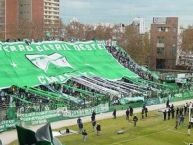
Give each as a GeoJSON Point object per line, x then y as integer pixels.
{"type": "Point", "coordinates": [124, 11]}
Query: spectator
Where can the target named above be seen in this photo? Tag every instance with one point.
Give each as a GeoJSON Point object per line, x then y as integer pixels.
{"type": "Point", "coordinates": [93, 116]}
{"type": "Point", "coordinates": [177, 112]}
{"type": "Point", "coordinates": [127, 114]}
{"type": "Point", "coordinates": [131, 111]}
{"type": "Point", "coordinates": [177, 122]}
{"type": "Point", "coordinates": [80, 127]}
{"type": "Point", "coordinates": [79, 120]}
{"type": "Point", "coordinates": [142, 113]}
{"type": "Point", "coordinates": [146, 111]}
{"type": "Point", "coordinates": [185, 109]}
{"type": "Point", "coordinates": [98, 129]}
{"type": "Point", "coordinates": [67, 131]}
{"type": "Point", "coordinates": [84, 135]}
{"type": "Point", "coordinates": [114, 114]}
{"type": "Point", "coordinates": [173, 112]}
{"type": "Point", "coordinates": [167, 103]}
{"type": "Point", "coordinates": [181, 120]}
{"type": "Point", "coordinates": [135, 119]}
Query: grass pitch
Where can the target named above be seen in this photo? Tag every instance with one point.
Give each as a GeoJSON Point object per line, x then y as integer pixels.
{"type": "Point", "coordinates": [149, 131]}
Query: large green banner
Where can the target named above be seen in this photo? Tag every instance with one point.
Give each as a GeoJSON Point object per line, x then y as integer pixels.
{"type": "Point", "coordinates": [56, 61]}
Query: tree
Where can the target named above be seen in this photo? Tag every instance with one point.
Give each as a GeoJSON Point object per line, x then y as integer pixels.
{"type": "Point", "coordinates": [132, 42]}
{"type": "Point", "coordinates": [75, 29]}
{"type": "Point", "coordinates": [90, 33]}
{"type": "Point", "coordinates": [103, 32]}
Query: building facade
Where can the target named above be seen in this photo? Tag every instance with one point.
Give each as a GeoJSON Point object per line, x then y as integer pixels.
{"type": "Point", "coordinates": [164, 34]}
{"type": "Point", "coordinates": [51, 16]}
{"type": "Point", "coordinates": [140, 23]}
{"type": "Point", "coordinates": [28, 18]}
{"type": "Point", "coordinates": [8, 18]}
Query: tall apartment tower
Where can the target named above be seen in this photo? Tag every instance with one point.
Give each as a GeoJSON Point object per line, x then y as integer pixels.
{"type": "Point", "coordinates": [164, 34]}
{"type": "Point", "coordinates": [51, 15]}
{"type": "Point", "coordinates": [140, 23]}
{"type": "Point", "coordinates": [28, 18]}
{"type": "Point", "coordinates": [8, 18]}
{"type": "Point", "coordinates": [44, 14]}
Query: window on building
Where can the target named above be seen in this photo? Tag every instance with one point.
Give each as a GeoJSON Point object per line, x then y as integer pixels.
{"type": "Point", "coordinates": [175, 30]}
{"type": "Point", "coordinates": [173, 51]}
{"type": "Point", "coordinates": [160, 63]}
{"type": "Point", "coordinates": [160, 50]}
{"type": "Point", "coordinates": [163, 29]}
{"type": "Point", "coordinates": [160, 39]}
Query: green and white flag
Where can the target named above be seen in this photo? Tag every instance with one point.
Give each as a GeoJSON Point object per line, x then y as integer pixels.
{"type": "Point", "coordinates": [57, 61]}
{"type": "Point", "coordinates": [43, 136]}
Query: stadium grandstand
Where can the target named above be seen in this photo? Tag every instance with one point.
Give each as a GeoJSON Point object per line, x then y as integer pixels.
{"type": "Point", "coordinates": [55, 80]}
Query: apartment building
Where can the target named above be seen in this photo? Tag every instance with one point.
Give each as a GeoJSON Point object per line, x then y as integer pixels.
{"type": "Point", "coordinates": [164, 34]}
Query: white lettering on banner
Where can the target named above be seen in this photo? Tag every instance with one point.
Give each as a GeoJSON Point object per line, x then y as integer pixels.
{"type": "Point", "coordinates": [51, 46]}
{"type": "Point", "coordinates": [28, 48]}
{"type": "Point", "coordinates": [45, 80]}
{"type": "Point", "coordinates": [65, 46]}
{"type": "Point", "coordinates": [42, 80]}
{"type": "Point", "coordinates": [84, 112]}
{"type": "Point", "coordinates": [13, 48]}
{"type": "Point", "coordinates": [58, 47]}
{"type": "Point", "coordinates": [5, 48]}
{"type": "Point", "coordinates": [88, 47]}
{"type": "Point", "coordinates": [39, 48]}
{"type": "Point", "coordinates": [37, 117]}
{"type": "Point", "coordinates": [7, 124]}
{"type": "Point", "coordinates": [81, 46]}
{"type": "Point", "coordinates": [46, 48]}
{"type": "Point", "coordinates": [76, 47]}
{"type": "Point", "coordinates": [54, 47]}
{"type": "Point", "coordinates": [100, 46]}
{"type": "Point", "coordinates": [21, 48]}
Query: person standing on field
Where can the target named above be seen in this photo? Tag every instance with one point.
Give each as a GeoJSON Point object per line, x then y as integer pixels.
{"type": "Point", "coordinates": [84, 135]}
{"type": "Point", "coordinates": [115, 114]}
{"type": "Point", "coordinates": [135, 119]}
{"type": "Point", "coordinates": [146, 111]}
{"type": "Point", "coordinates": [98, 129]}
{"type": "Point", "coordinates": [127, 114]}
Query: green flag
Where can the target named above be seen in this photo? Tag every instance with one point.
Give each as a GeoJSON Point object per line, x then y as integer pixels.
{"type": "Point", "coordinates": [43, 136]}
{"type": "Point", "coordinates": [25, 136]}
{"type": "Point", "coordinates": [49, 62]}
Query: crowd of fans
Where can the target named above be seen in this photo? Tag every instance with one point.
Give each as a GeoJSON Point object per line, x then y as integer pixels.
{"type": "Point", "coordinates": [21, 101]}
{"type": "Point", "coordinates": [127, 62]}
{"type": "Point", "coordinates": [76, 96]}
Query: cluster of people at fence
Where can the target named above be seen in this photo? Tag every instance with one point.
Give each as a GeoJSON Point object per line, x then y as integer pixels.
{"type": "Point", "coordinates": [179, 113]}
